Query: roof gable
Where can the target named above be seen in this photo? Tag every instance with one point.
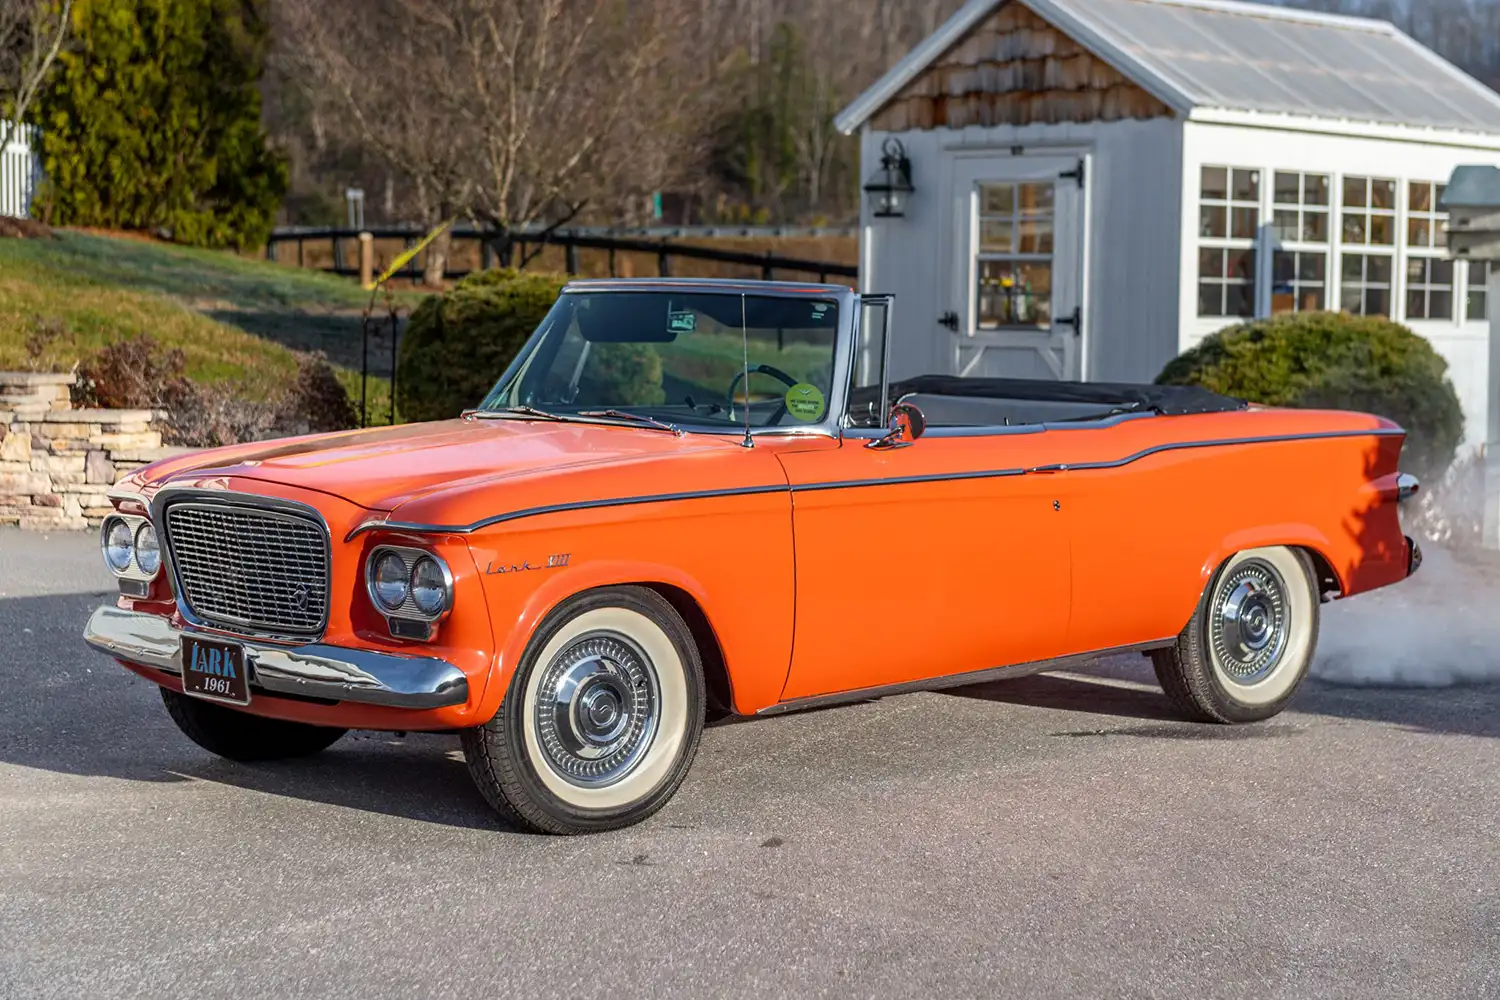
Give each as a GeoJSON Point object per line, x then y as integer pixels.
{"type": "Point", "coordinates": [1239, 56]}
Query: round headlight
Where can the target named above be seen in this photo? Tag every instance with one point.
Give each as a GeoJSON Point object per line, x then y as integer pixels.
{"type": "Point", "coordinates": [117, 544]}
{"type": "Point", "coordinates": [147, 551]}
{"type": "Point", "coordinates": [389, 581]}
{"type": "Point", "coordinates": [429, 586]}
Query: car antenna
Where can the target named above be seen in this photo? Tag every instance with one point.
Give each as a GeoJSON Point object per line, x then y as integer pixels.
{"type": "Point", "coordinates": [745, 340]}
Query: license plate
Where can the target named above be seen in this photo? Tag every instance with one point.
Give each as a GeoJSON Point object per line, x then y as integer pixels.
{"type": "Point", "coordinates": [214, 670]}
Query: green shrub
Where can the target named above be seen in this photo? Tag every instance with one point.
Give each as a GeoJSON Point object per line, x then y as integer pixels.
{"type": "Point", "coordinates": [1336, 361]}
{"type": "Point", "coordinates": [152, 122]}
{"type": "Point", "coordinates": [456, 345]}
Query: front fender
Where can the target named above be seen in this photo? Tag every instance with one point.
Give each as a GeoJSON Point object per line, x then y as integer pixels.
{"type": "Point", "coordinates": [516, 609]}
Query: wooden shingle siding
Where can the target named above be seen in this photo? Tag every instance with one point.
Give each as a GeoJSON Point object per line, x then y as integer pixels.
{"type": "Point", "coordinates": [1016, 69]}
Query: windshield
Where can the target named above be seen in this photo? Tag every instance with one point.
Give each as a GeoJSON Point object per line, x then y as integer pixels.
{"type": "Point", "coordinates": [678, 358]}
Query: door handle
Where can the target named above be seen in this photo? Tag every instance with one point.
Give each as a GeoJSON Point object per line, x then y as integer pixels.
{"type": "Point", "coordinates": [950, 320]}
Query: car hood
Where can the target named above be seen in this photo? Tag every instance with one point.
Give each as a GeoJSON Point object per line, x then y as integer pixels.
{"type": "Point", "coordinates": [384, 468]}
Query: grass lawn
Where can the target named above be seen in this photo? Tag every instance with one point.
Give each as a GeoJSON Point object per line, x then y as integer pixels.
{"type": "Point", "coordinates": [237, 320]}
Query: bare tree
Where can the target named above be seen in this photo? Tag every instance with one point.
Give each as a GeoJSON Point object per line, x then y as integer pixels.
{"type": "Point", "coordinates": [32, 33]}
{"type": "Point", "coordinates": [509, 112]}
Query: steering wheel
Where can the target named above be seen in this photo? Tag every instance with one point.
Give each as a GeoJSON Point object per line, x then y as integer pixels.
{"type": "Point", "coordinates": [770, 370]}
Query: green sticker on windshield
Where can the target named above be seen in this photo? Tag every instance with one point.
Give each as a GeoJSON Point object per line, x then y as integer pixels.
{"type": "Point", "coordinates": [804, 401]}
{"type": "Point", "coordinates": [682, 320]}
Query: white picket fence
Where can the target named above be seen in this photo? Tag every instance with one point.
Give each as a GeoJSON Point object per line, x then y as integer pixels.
{"type": "Point", "coordinates": [20, 169]}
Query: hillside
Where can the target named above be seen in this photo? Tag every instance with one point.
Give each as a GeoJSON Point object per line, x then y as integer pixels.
{"type": "Point", "coordinates": [237, 320]}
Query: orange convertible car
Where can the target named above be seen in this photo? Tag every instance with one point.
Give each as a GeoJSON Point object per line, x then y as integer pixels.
{"type": "Point", "coordinates": [695, 498]}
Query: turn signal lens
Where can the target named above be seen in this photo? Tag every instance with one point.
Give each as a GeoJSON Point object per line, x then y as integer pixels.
{"type": "Point", "coordinates": [429, 587]}
{"type": "Point", "coordinates": [117, 545]}
{"type": "Point", "coordinates": [147, 551]}
{"type": "Point", "coordinates": [389, 581]}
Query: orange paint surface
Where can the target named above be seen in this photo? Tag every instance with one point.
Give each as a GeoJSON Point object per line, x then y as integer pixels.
{"type": "Point", "coordinates": [815, 572]}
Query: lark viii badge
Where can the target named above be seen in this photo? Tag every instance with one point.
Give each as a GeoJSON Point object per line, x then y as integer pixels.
{"type": "Point", "coordinates": [804, 401]}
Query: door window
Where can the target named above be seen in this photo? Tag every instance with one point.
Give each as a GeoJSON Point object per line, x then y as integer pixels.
{"type": "Point", "coordinates": [1014, 259]}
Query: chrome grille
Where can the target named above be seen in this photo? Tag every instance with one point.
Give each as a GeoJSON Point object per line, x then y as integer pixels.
{"type": "Point", "coordinates": [242, 567]}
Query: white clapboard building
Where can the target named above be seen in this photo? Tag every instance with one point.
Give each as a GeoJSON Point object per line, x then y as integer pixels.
{"type": "Point", "coordinates": [1097, 184]}
{"type": "Point", "coordinates": [18, 171]}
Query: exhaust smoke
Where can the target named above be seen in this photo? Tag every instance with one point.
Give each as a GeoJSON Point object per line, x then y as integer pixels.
{"type": "Point", "coordinates": [1439, 628]}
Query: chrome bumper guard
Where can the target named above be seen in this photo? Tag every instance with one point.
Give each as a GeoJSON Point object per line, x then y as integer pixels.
{"type": "Point", "coordinates": [1413, 555]}
{"type": "Point", "coordinates": [311, 671]}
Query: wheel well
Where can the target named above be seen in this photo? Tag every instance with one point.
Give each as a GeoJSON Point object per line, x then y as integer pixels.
{"type": "Point", "coordinates": [1329, 586]}
{"type": "Point", "coordinates": [715, 672]}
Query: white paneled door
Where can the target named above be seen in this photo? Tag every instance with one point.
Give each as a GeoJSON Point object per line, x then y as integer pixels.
{"type": "Point", "coordinates": [1018, 266]}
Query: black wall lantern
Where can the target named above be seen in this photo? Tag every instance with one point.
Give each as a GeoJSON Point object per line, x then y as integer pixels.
{"type": "Point", "coordinates": [891, 184]}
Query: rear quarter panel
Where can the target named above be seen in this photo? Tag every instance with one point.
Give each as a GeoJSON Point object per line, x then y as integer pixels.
{"type": "Point", "coordinates": [1148, 534]}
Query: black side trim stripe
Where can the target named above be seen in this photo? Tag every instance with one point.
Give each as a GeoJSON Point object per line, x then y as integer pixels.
{"type": "Point", "coordinates": [848, 484]}
{"type": "Point", "coordinates": [558, 508]}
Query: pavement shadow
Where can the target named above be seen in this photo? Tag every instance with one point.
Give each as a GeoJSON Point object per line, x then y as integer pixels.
{"type": "Point", "coordinates": [1463, 710]}
{"type": "Point", "coordinates": [70, 710]}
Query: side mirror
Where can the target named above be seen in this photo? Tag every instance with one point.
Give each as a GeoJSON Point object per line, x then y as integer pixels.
{"type": "Point", "coordinates": [906, 425]}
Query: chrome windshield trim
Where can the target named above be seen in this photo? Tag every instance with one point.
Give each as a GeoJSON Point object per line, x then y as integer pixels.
{"type": "Point", "coordinates": [417, 527]}
{"type": "Point", "coordinates": [334, 673]}
{"type": "Point", "coordinates": [845, 297]}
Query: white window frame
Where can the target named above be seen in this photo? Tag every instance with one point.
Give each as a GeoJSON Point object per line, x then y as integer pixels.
{"type": "Point", "coordinates": [1227, 243]}
{"type": "Point", "coordinates": [1016, 218]}
{"type": "Point", "coordinates": [1478, 283]}
{"type": "Point", "coordinates": [1300, 247]}
{"type": "Point", "coordinates": [1392, 252]}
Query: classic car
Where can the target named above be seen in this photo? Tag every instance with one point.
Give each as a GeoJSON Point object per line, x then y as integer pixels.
{"type": "Point", "coordinates": [688, 499]}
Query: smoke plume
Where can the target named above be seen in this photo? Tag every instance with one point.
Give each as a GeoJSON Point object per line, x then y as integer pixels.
{"type": "Point", "coordinates": [1440, 627]}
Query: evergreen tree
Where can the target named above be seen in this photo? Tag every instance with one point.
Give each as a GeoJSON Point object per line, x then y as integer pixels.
{"type": "Point", "coordinates": [152, 122]}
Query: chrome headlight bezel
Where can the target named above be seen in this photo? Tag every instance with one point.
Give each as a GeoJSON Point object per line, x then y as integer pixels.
{"type": "Point", "coordinates": [409, 610]}
{"type": "Point", "coordinates": [125, 546]}
{"type": "Point", "coordinates": [444, 587]}
{"type": "Point", "coordinates": [131, 526]}
{"type": "Point", "coordinates": [137, 549]}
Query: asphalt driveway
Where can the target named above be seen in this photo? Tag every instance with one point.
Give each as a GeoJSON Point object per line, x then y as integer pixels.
{"type": "Point", "coordinates": [1056, 836]}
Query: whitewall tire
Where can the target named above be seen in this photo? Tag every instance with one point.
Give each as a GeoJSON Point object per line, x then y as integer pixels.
{"type": "Point", "coordinates": [601, 720]}
{"type": "Point", "coordinates": [1249, 644]}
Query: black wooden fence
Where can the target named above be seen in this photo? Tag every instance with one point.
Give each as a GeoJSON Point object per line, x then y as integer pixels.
{"type": "Point", "coordinates": [517, 247]}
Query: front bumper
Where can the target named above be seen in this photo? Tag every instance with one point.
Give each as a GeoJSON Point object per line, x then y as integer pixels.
{"type": "Point", "coordinates": [335, 673]}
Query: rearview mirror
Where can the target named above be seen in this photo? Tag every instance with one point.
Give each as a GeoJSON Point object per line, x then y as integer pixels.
{"type": "Point", "coordinates": [906, 424]}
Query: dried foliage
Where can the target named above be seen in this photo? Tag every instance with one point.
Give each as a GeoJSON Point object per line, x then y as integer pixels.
{"type": "Point", "coordinates": [138, 374]}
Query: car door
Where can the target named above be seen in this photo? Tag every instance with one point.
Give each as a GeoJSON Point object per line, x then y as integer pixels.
{"type": "Point", "coordinates": [922, 561]}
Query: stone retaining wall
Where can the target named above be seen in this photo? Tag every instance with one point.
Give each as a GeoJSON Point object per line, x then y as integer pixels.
{"type": "Point", "coordinates": [57, 464]}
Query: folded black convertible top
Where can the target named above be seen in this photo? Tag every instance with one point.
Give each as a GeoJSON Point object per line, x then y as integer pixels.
{"type": "Point", "coordinates": [1165, 399]}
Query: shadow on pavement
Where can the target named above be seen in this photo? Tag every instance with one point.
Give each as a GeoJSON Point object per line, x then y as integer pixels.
{"type": "Point", "coordinates": [1466, 710]}
{"type": "Point", "coordinates": [67, 709]}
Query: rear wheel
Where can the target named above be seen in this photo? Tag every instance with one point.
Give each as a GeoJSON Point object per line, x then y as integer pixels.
{"type": "Point", "coordinates": [1249, 644]}
{"type": "Point", "coordinates": [601, 720]}
{"type": "Point", "coordinates": [242, 736]}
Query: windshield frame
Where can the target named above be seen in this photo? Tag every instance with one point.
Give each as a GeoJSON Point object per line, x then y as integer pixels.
{"type": "Point", "coordinates": [846, 299]}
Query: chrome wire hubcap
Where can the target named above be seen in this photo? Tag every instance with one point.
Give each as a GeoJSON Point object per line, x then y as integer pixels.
{"type": "Point", "coordinates": [596, 709]}
{"type": "Point", "coordinates": [1248, 624]}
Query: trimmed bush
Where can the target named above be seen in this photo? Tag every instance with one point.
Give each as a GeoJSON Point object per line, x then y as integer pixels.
{"type": "Point", "coordinates": [457, 345]}
{"type": "Point", "coordinates": [1336, 361]}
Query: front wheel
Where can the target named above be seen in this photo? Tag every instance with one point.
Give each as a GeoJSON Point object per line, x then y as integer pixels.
{"type": "Point", "coordinates": [242, 736]}
{"type": "Point", "coordinates": [1249, 644]}
{"type": "Point", "coordinates": [601, 720]}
